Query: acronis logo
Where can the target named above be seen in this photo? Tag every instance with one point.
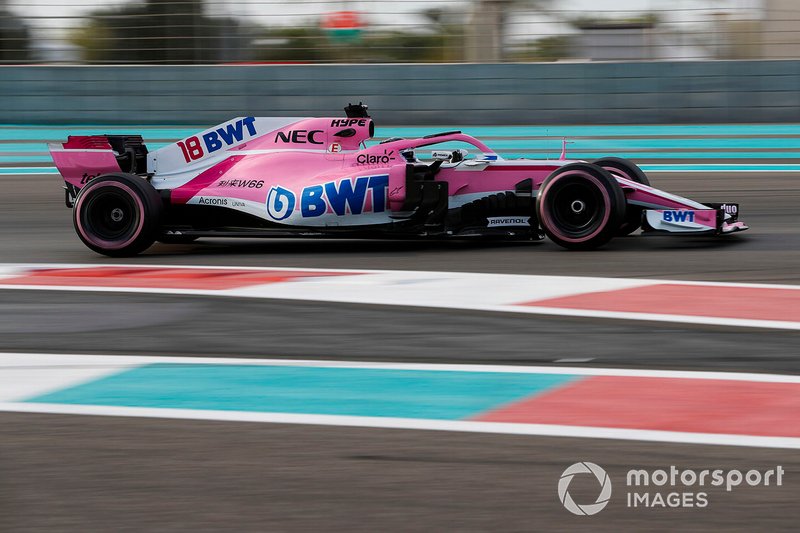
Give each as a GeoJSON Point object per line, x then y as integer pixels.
{"type": "Point", "coordinates": [347, 197]}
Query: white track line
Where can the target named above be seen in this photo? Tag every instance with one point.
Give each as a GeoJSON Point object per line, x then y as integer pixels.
{"type": "Point", "coordinates": [13, 363]}
{"type": "Point", "coordinates": [501, 293]}
{"type": "Point", "coordinates": [14, 269]}
{"type": "Point", "coordinates": [412, 423]}
{"type": "Point", "coordinates": [12, 360]}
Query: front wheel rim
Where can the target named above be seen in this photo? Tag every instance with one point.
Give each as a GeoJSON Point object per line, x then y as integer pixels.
{"type": "Point", "coordinates": [577, 207]}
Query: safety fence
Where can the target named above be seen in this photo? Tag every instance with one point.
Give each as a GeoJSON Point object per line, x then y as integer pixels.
{"type": "Point", "coordinates": [335, 31]}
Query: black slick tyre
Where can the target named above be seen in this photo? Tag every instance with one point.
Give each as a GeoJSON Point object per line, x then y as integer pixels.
{"type": "Point", "coordinates": [580, 206]}
{"type": "Point", "coordinates": [117, 215]}
{"type": "Point", "coordinates": [628, 170]}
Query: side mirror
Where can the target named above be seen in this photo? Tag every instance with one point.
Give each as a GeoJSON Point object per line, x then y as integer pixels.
{"type": "Point", "coordinates": [459, 155]}
{"type": "Point", "coordinates": [453, 156]}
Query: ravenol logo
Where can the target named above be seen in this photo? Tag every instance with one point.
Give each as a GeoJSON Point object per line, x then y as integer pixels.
{"type": "Point", "coordinates": [348, 196]}
{"type": "Point", "coordinates": [587, 509]}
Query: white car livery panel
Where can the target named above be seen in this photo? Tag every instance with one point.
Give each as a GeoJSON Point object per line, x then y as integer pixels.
{"type": "Point", "coordinates": [197, 152]}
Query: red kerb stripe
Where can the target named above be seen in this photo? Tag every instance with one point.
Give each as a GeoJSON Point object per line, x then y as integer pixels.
{"type": "Point", "coordinates": [692, 300]}
{"type": "Point", "coordinates": [667, 404]}
{"type": "Point", "coordinates": [166, 278]}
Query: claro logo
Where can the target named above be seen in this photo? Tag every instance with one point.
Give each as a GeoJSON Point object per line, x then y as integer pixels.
{"type": "Point", "coordinates": [300, 137]}
{"type": "Point", "coordinates": [376, 159]}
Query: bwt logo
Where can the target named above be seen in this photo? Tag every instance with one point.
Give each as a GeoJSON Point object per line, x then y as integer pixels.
{"type": "Point", "coordinates": [585, 509]}
{"type": "Point", "coordinates": [349, 196]}
{"type": "Point", "coordinates": [226, 135]}
{"type": "Point", "coordinates": [229, 134]}
{"type": "Point", "coordinates": [678, 216]}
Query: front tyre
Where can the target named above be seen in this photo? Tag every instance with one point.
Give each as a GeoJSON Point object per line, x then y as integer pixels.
{"type": "Point", "coordinates": [580, 206]}
{"type": "Point", "coordinates": [117, 215]}
{"type": "Point", "coordinates": [628, 170]}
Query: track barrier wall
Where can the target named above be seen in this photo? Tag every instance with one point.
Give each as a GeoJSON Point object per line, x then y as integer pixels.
{"type": "Point", "coordinates": [420, 94]}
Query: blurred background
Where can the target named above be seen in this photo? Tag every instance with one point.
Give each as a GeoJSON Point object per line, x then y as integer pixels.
{"type": "Point", "coordinates": [451, 31]}
{"type": "Point", "coordinates": [436, 62]}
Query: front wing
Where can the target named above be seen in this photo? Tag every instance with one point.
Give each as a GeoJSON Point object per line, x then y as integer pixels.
{"type": "Point", "coordinates": [719, 219]}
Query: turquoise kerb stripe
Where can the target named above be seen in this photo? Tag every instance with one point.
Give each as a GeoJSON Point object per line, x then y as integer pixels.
{"type": "Point", "coordinates": [27, 170]}
{"type": "Point", "coordinates": [309, 390]}
{"type": "Point", "coordinates": [25, 159]}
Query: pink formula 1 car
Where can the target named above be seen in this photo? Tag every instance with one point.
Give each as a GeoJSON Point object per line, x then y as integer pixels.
{"type": "Point", "coordinates": [265, 177]}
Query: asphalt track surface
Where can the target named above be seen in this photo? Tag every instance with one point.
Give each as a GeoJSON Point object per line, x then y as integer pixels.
{"type": "Point", "coordinates": [36, 227]}
{"type": "Point", "coordinates": [98, 473]}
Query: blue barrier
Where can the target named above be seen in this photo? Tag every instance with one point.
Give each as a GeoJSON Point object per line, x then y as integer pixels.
{"type": "Point", "coordinates": [666, 147]}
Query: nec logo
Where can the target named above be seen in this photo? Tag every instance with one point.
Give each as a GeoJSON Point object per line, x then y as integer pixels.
{"type": "Point", "coordinates": [300, 137]}
{"type": "Point", "coordinates": [678, 216]}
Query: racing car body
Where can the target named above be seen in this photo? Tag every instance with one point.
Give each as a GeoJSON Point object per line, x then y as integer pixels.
{"type": "Point", "coordinates": [254, 177]}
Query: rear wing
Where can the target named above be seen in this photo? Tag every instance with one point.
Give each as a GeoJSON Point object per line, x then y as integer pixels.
{"type": "Point", "coordinates": [84, 157]}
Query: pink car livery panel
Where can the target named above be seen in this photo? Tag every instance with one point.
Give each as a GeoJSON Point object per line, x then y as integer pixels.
{"type": "Point", "coordinates": [281, 176]}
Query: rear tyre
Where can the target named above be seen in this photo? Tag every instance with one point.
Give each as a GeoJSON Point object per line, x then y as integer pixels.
{"type": "Point", "coordinates": [117, 215]}
{"type": "Point", "coordinates": [580, 206]}
{"type": "Point", "coordinates": [628, 170]}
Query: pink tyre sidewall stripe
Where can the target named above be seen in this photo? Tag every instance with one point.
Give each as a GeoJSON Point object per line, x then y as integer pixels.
{"type": "Point", "coordinates": [545, 214]}
{"type": "Point", "coordinates": [110, 245]}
